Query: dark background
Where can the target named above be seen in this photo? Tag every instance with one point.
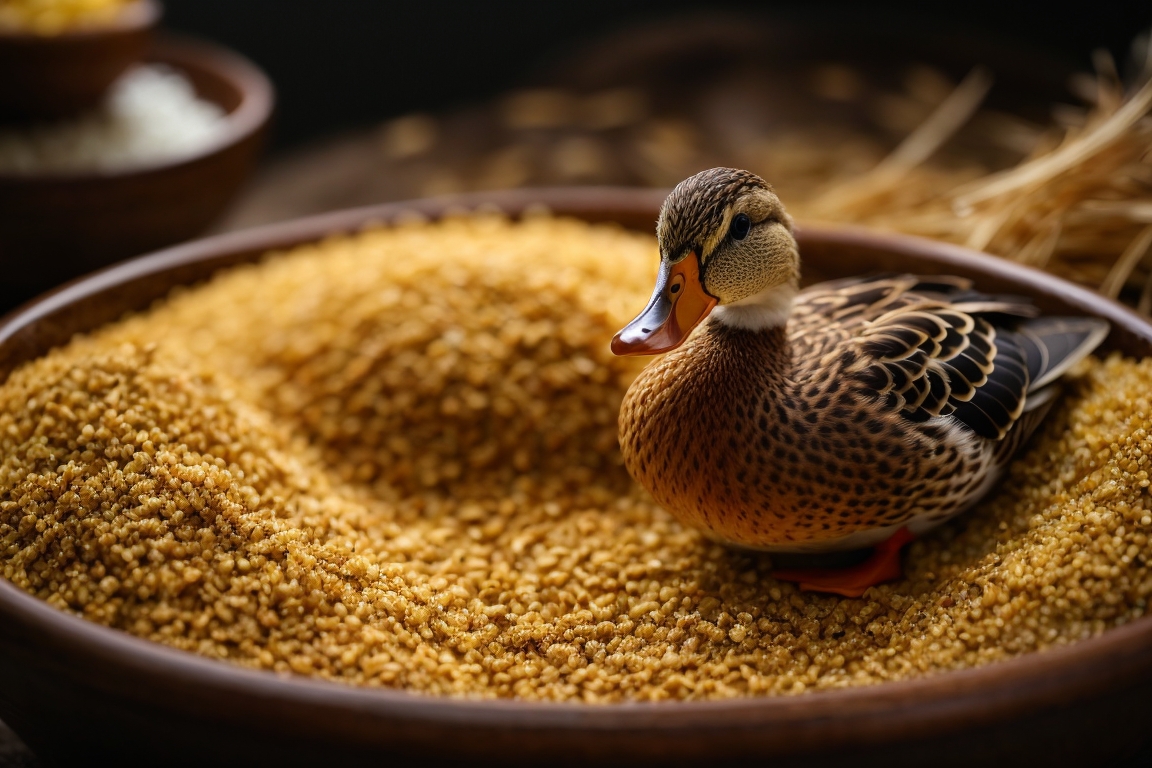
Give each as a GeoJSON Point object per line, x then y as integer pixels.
{"type": "Point", "coordinates": [340, 64]}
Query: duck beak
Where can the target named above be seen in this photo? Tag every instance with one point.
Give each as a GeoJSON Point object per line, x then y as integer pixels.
{"type": "Point", "coordinates": [678, 305]}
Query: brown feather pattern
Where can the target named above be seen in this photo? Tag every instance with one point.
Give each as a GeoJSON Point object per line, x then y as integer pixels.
{"type": "Point", "coordinates": [921, 353]}
{"type": "Point", "coordinates": [881, 404]}
{"type": "Point", "coordinates": [695, 209]}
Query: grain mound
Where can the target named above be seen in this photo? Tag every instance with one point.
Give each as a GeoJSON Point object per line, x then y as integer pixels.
{"type": "Point", "coordinates": [390, 459]}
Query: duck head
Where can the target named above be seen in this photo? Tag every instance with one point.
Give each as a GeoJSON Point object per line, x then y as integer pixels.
{"type": "Point", "coordinates": [726, 246]}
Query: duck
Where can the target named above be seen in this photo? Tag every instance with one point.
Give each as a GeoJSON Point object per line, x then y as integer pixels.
{"type": "Point", "coordinates": [856, 414]}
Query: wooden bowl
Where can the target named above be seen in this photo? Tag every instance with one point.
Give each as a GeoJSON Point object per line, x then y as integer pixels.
{"type": "Point", "coordinates": [55, 76]}
{"type": "Point", "coordinates": [55, 227]}
{"type": "Point", "coordinates": [124, 698]}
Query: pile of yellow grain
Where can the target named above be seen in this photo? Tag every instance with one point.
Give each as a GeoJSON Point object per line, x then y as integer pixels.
{"type": "Point", "coordinates": [390, 459]}
{"type": "Point", "coordinates": [51, 17]}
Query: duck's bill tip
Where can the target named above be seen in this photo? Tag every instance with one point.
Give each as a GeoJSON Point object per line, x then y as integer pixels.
{"type": "Point", "coordinates": [678, 305]}
{"type": "Point", "coordinates": [637, 343]}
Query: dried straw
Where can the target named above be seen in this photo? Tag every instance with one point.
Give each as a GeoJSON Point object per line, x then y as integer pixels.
{"type": "Point", "coordinates": [1079, 205]}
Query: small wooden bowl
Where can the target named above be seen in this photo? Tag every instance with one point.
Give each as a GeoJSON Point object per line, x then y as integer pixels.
{"type": "Point", "coordinates": [55, 227]}
{"type": "Point", "coordinates": [136, 702]}
{"type": "Point", "coordinates": [55, 76]}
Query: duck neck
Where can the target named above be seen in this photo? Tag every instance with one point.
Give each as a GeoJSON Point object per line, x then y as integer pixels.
{"type": "Point", "coordinates": [742, 361]}
{"type": "Point", "coordinates": [770, 308]}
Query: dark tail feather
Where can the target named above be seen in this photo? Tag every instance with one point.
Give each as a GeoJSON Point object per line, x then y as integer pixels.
{"type": "Point", "coordinates": [1052, 345]}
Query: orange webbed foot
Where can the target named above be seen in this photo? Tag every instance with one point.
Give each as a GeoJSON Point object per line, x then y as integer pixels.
{"type": "Point", "coordinates": [882, 565]}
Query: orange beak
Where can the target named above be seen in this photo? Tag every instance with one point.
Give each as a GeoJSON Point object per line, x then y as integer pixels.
{"type": "Point", "coordinates": [678, 305]}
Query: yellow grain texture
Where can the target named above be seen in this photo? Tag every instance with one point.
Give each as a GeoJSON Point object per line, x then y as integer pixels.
{"type": "Point", "coordinates": [390, 459]}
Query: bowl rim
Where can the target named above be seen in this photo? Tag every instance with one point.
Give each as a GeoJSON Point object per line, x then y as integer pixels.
{"type": "Point", "coordinates": [133, 17]}
{"type": "Point", "coordinates": [934, 702]}
{"type": "Point", "coordinates": [257, 98]}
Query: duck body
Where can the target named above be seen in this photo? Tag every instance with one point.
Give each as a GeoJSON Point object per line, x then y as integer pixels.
{"type": "Point", "coordinates": [855, 413]}
{"type": "Point", "coordinates": [831, 432]}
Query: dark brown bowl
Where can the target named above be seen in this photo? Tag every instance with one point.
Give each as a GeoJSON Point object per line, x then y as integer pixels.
{"type": "Point", "coordinates": [78, 692]}
{"type": "Point", "coordinates": [55, 76]}
{"type": "Point", "coordinates": [55, 227]}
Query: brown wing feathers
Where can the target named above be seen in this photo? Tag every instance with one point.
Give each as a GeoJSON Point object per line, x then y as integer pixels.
{"type": "Point", "coordinates": [935, 347]}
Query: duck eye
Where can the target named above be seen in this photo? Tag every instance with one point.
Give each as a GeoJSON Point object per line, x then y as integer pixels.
{"type": "Point", "coordinates": [741, 225]}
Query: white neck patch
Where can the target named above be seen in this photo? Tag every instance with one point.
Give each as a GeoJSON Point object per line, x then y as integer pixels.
{"type": "Point", "coordinates": [770, 308]}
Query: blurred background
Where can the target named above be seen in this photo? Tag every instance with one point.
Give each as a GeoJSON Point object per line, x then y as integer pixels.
{"type": "Point", "coordinates": [382, 102]}
{"type": "Point", "coordinates": [343, 64]}
{"type": "Point", "coordinates": [884, 114]}
{"type": "Point", "coordinates": [518, 93]}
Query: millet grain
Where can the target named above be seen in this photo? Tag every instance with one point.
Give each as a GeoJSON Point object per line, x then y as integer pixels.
{"type": "Point", "coordinates": [390, 459]}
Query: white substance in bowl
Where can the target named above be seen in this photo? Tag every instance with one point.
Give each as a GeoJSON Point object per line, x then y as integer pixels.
{"type": "Point", "coordinates": [150, 116]}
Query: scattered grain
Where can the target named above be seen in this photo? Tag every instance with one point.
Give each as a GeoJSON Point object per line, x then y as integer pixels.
{"type": "Point", "coordinates": [409, 136]}
{"type": "Point", "coordinates": [539, 108]}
